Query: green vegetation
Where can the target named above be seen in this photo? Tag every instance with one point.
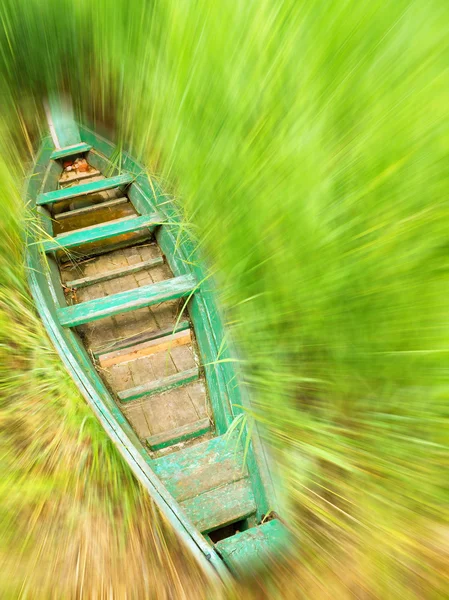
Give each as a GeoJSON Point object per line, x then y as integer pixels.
{"type": "Point", "coordinates": [307, 143]}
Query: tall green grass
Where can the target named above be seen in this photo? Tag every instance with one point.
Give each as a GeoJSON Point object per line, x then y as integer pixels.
{"type": "Point", "coordinates": [307, 143]}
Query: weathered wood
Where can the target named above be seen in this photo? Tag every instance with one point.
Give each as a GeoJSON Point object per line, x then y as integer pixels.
{"type": "Point", "coordinates": [250, 549]}
{"type": "Point", "coordinates": [160, 412]}
{"type": "Point", "coordinates": [108, 275]}
{"type": "Point", "coordinates": [145, 336]}
{"type": "Point", "coordinates": [70, 151]}
{"type": "Point", "coordinates": [100, 212]}
{"type": "Point", "coordinates": [103, 231]}
{"type": "Point", "coordinates": [84, 189]}
{"type": "Point", "coordinates": [201, 468]}
{"type": "Point", "coordinates": [145, 349]}
{"type": "Point", "coordinates": [159, 385]}
{"type": "Point", "coordinates": [72, 176]}
{"type": "Point", "coordinates": [180, 434]}
{"type": "Point", "coordinates": [178, 287]}
{"type": "Point", "coordinates": [92, 208]}
{"type": "Point", "coordinates": [105, 246]}
{"type": "Point", "coordinates": [221, 506]}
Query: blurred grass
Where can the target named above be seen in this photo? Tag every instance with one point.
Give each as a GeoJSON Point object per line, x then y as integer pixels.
{"type": "Point", "coordinates": [308, 143]}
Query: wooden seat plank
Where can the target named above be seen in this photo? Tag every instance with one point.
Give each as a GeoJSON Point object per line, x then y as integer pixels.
{"type": "Point", "coordinates": [103, 231]}
{"type": "Point", "coordinates": [92, 215]}
{"type": "Point", "coordinates": [108, 275]}
{"type": "Point", "coordinates": [180, 434]}
{"type": "Point", "coordinates": [251, 548]}
{"type": "Point", "coordinates": [83, 189]}
{"type": "Point", "coordinates": [72, 176]}
{"type": "Point", "coordinates": [108, 306]}
{"type": "Point", "coordinates": [139, 338]}
{"type": "Point", "coordinates": [159, 385]}
{"type": "Point", "coordinates": [180, 338]}
{"type": "Point", "coordinates": [203, 467]}
{"type": "Point", "coordinates": [221, 506]}
{"type": "Point", "coordinates": [93, 207]}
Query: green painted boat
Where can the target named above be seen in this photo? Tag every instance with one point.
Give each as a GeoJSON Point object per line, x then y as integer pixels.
{"type": "Point", "coordinates": [127, 303]}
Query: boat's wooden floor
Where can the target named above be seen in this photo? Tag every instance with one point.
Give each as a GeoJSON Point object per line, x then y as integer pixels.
{"type": "Point", "coordinates": [152, 414]}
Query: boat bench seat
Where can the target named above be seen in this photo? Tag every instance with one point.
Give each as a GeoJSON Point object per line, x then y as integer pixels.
{"type": "Point", "coordinates": [80, 212]}
{"type": "Point", "coordinates": [250, 549]}
{"type": "Point", "coordinates": [210, 481]}
{"type": "Point", "coordinates": [83, 189]}
{"type": "Point", "coordinates": [221, 506]}
{"type": "Point", "coordinates": [118, 351]}
{"type": "Point", "coordinates": [159, 385]}
{"type": "Point", "coordinates": [115, 304]}
{"type": "Point", "coordinates": [103, 231]}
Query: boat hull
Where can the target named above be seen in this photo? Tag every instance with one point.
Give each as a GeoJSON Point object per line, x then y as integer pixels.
{"type": "Point", "coordinates": [226, 398]}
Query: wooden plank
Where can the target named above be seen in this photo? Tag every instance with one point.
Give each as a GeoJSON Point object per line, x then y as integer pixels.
{"type": "Point", "coordinates": [83, 189]}
{"type": "Point", "coordinates": [99, 212]}
{"type": "Point", "coordinates": [250, 549]}
{"type": "Point", "coordinates": [105, 247]}
{"type": "Point", "coordinates": [70, 150]}
{"type": "Point", "coordinates": [145, 336]}
{"type": "Point", "coordinates": [159, 385]}
{"type": "Point", "coordinates": [103, 231]}
{"type": "Point", "coordinates": [201, 468]}
{"type": "Point", "coordinates": [92, 310]}
{"type": "Point", "coordinates": [181, 338]}
{"type": "Point", "coordinates": [108, 275]}
{"type": "Point", "coordinates": [221, 506]}
{"type": "Point", "coordinates": [160, 412]}
{"type": "Point", "coordinates": [92, 208]}
{"type": "Point", "coordinates": [180, 434]}
{"type": "Point", "coordinates": [72, 176]}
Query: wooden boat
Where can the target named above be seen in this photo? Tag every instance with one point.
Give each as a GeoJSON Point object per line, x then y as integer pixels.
{"type": "Point", "coordinates": [130, 309]}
